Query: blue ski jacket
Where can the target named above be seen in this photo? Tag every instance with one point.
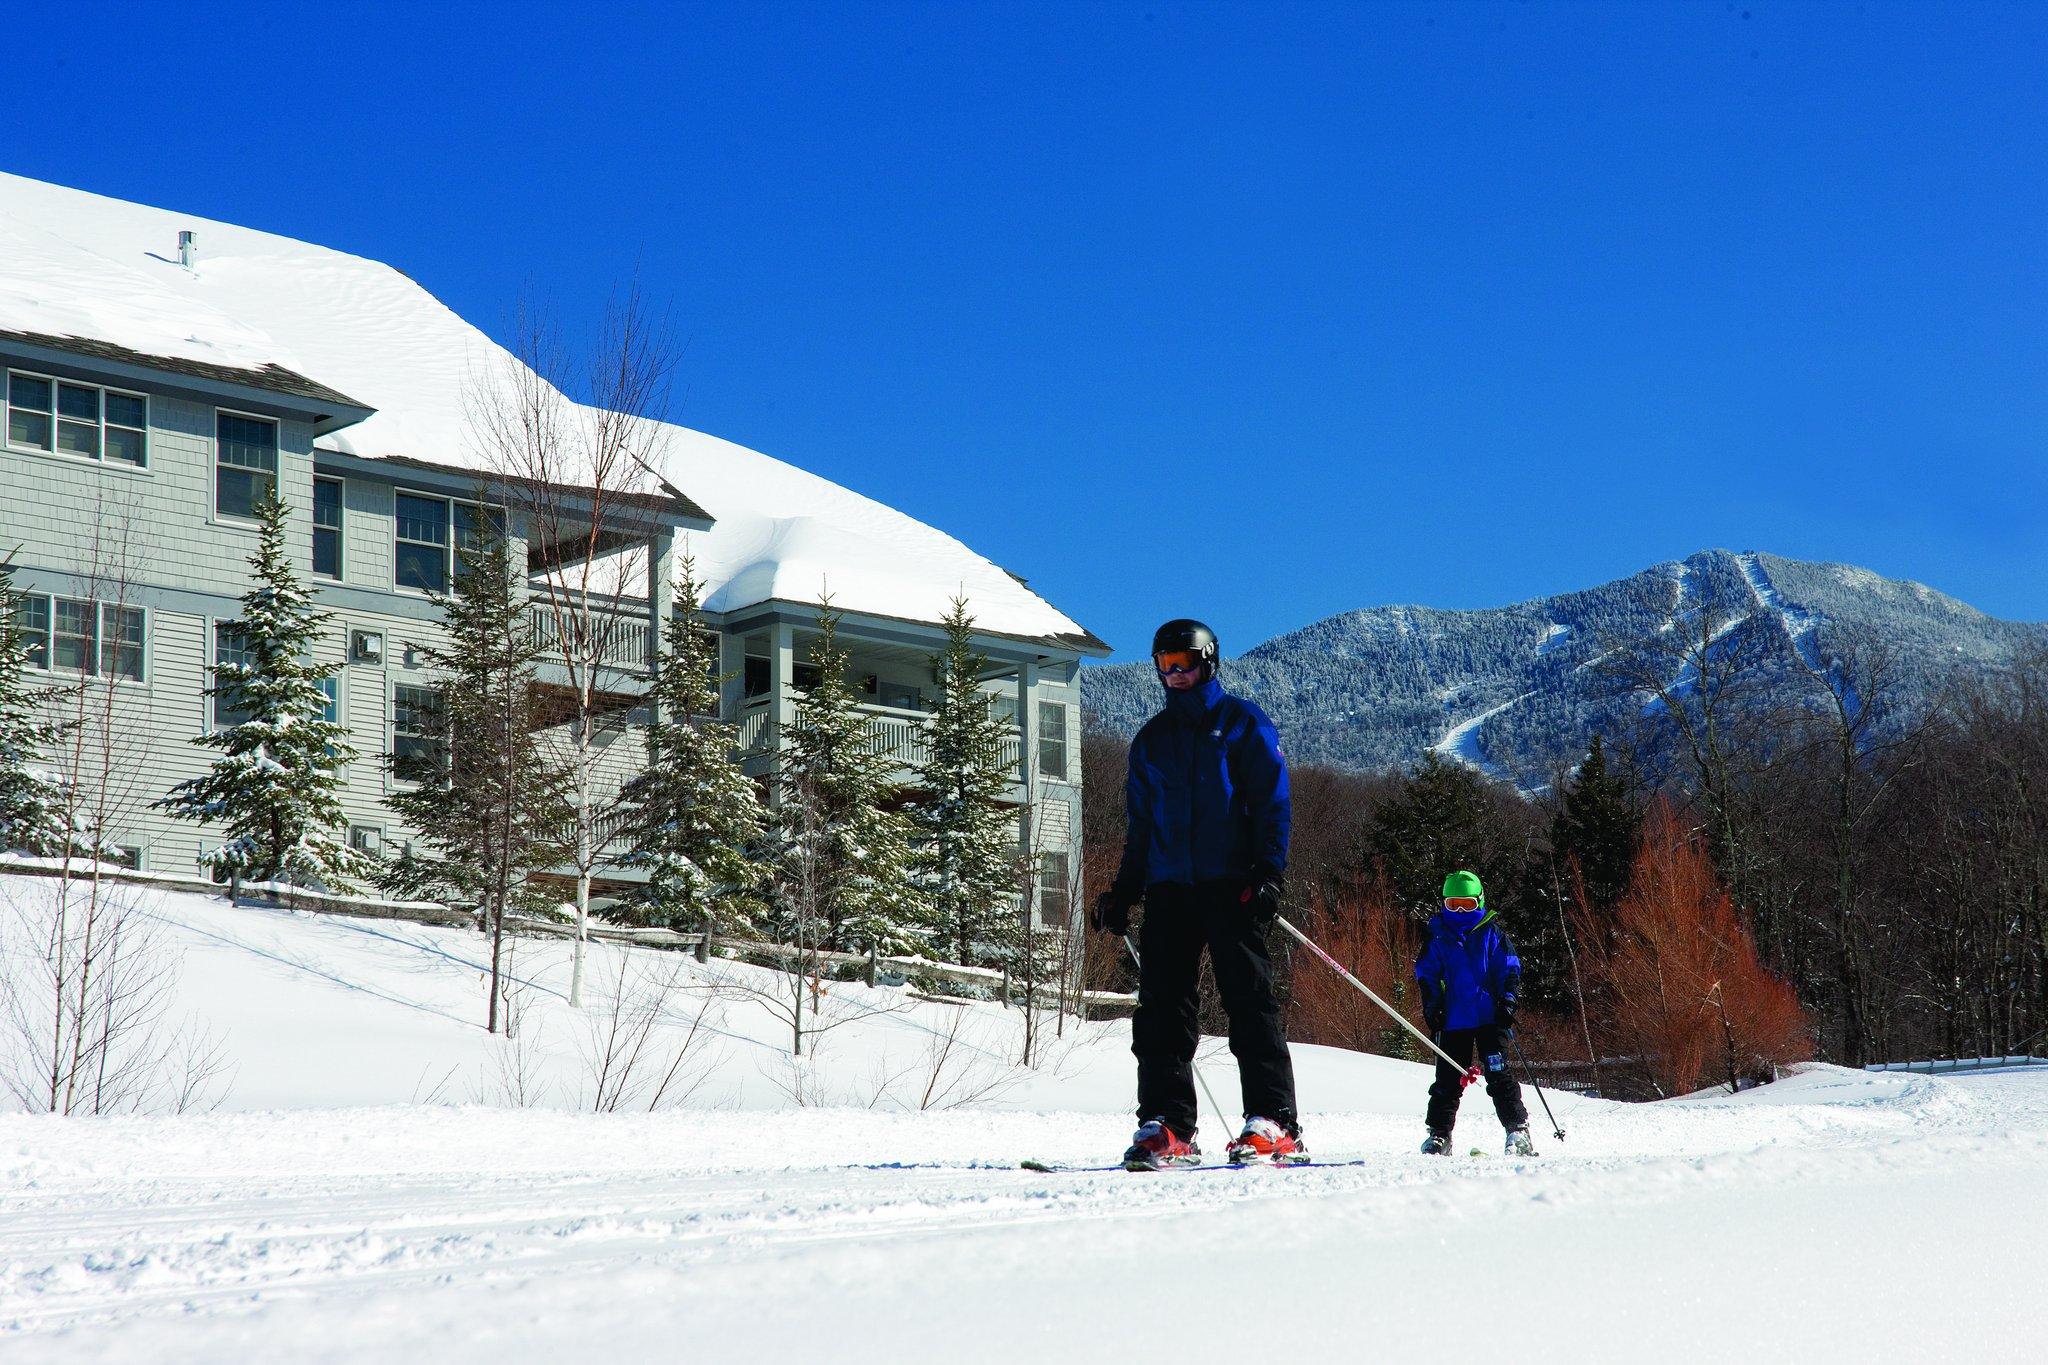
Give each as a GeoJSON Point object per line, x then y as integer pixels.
{"type": "Point", "coordinates": [1467, 969]}
{"type": "Point", "coordinates": [1207, 796]}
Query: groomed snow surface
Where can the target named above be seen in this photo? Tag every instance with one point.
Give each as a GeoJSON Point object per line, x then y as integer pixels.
{"type": "Point", "coordinates": [365, 1193]}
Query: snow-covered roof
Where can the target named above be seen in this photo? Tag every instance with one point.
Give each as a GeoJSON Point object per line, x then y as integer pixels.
{"type": "Point", "coordinates": [81, 265]}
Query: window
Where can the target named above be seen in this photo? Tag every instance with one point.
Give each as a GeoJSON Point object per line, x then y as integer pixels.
{"type": "Point", "coordinates": [29, 420]}
{"type": "Point", "coordinates": [32, 616]}
{"type": "Point", "coordinates": [72, 635]}
{"type": "Point", "coordinates": [247, 463]}
{"type": "Point", "coordinates": [422, 543]}
{"type": "Point", "coordinates": [755, 678]}
{"type": "Point", "coordinates": [127, 428]}
{"type": "Point", "coordinates": [121, 635]}
{"type": "Point", "coordinates": [77, 419]}
{"type": "Point", "coordinates": [1055, 894]}
{"type": "Point", "coordinates": [1052, 740]}
{"type": "Point", "coordinates": [327, 527]}
{"type": "Point", "coordinates": [74, 644]}
{"type": "Point", "coordinates": [417, 747]}
{"type": "Point", "coordinates": [473, 525]}
{"type": "Point", "coordinates": [228, 648]}
{"type": "Point", "coordinates": [900, 696]}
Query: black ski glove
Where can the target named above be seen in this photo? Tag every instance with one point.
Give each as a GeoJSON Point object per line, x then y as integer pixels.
{"type": "Point", "coordinates": [1111, 915]}
{"type": "Point", "coordinates": [1262, 900]}
{"type": "Point", "coordinates": [1504, 1012]}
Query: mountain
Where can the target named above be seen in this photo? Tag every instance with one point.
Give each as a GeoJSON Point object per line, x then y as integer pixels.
{"type": "Point", "coordinates": [1516, 691]}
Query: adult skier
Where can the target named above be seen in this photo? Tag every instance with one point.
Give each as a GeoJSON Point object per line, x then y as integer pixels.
{"type": "Point", "coordinates": [1205, 850]}
{"type": "Point", "coordinates": [1470, 979]}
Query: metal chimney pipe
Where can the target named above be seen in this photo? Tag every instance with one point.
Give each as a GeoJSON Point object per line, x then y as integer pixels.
{"type": "Point", "coordinates": [187, 248]}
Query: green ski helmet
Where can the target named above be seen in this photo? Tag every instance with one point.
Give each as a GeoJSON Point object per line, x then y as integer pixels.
{"type": "Point", "coordinates": [1464, 884]}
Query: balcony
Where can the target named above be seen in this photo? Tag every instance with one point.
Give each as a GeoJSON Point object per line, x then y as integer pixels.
{"type": "Point", "coordinates": [899, 734]}
{"type": "Point", "coordinates": [623, 637]}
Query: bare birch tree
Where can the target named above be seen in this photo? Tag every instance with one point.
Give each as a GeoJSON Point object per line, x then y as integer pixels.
{"type": "Point", "coordinates": [574, 476]}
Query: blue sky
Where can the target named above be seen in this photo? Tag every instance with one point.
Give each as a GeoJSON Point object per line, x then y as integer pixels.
{"type": "Point", "coordinates": [1193, 309]}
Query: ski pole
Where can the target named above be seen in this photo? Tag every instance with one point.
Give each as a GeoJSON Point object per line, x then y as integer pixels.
{"type": "Point", "coordinates": [1132, 948]}
{"type": "Point", "coordinates": [1530, 1072]}
{"type": "Point", "coordinates": [1466, 1074]}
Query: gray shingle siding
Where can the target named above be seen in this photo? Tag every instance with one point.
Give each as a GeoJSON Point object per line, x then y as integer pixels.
{"type": "Point", "coordinates": [86, 528]}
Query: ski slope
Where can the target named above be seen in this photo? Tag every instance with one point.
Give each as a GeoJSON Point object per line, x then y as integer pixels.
{"type": "Point", "coordinates": [1834, 1216]}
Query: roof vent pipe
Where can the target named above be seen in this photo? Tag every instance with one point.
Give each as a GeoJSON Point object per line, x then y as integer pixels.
{"type": "Point", "coordinates": [187, 248]}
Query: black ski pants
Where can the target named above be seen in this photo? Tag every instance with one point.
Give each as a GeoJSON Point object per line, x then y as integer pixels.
{"type": "Point", "coordinates": [1180, 921]}
{"type": "Point", "coordinates": [1501, 1085]}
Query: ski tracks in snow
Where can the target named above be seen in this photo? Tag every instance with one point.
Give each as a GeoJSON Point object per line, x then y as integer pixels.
{"type": "Point", "coordinates": [102, 1250]}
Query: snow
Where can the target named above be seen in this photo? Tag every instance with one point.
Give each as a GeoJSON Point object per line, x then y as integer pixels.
{"type": "Point", "coordinates": [79, 264]}
{"type": "Point", "coordinates": [1461, 742]}
{"type": "Point", "coordinates": [1835, 1215]}
{"type": "Point", "coordinates": [1801, 626]}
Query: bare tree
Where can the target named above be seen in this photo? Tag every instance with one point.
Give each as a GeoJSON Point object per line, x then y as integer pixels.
{"type": "Point", "coordinates": [87, 986]}
{"type": "Point", "coordinates": [573, 474]}
{"type": "Point", "coordinates": [632, 1053]}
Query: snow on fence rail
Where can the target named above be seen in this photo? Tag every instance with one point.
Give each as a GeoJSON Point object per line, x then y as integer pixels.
{"type": "Point", "coordinates": [434, 912]}
{"type": "Point", "coordinates": [1947, 1064]}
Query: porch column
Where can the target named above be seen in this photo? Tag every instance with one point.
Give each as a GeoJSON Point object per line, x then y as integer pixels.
{"type": "Point", "coordinates": [661, 590]}
{"type": "Point", "coordinates": [782, 678]}
{"type": "Point", "coordinates": [1027, 754]}
{"type": "Point", "coordinates": [732, 675]}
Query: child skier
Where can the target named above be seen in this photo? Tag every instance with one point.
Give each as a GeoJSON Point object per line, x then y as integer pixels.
{"type": "Point", "coordinates": [1470, 978]}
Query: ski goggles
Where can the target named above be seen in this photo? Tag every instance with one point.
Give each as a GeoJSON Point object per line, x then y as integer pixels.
{"type": "Point", "coordinates": [1462, 902]}
{"type": "Point", "coordinates": [1177, 661]}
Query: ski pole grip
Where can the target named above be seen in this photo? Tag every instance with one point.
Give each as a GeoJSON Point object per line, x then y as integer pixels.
{"type": "Point", "coordinates": [1469, 1079]}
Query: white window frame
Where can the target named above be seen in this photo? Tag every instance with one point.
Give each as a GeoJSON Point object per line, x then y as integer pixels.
{"type": "Point", "coordinates": [1066, 743]}
{"type": "Point", "coordinates": [1063, 887]}
{"type": "Point", "coordinates": [391, 729]}
{"type": "Point", "coordinates": [211, 704]}
{"type": "Point", "coordinates": [213, 469]}
{"type": "Point", "coordinates": [340, 528]}
{"type": "Point", "coordinates": [450, 551]}
{"type": "Point", "coordinates": [48, 667]}
{"type": "Point", "coordinates": [53, 450]}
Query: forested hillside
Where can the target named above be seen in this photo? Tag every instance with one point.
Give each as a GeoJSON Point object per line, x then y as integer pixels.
{"type": "Point", "coordinates": [1517, 690]}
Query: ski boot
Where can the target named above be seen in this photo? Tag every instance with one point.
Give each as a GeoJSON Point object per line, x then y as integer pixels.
{"type": "Point", "coordinates": [1436, 1144]}
{"type": "Point", "coordinates": [1265, 1143]}
{"type": "Point", "coordinates": [1155, 1146]}
{"type": "Point", "coordinates": [1519, 1143]}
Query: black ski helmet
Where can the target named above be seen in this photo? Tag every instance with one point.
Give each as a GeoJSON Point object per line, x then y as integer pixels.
{"type": "Point", "coordinates": [1188, 635]}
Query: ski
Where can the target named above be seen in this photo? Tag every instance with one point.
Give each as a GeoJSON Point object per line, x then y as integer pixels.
{"type": "Point", "coordinates": [1058, 1168]}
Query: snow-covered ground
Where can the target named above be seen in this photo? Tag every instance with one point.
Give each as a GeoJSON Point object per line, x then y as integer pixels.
{"type": "Point", "coordinates": [1835, 1216]}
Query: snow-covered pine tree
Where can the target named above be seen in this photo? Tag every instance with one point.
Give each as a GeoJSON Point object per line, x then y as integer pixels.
{"type": "Point", "coordinates": [489, 805]}
{"type": "Point", "coordinates": [853, 839]}
{"type": "Point", "coordinates": [276, 787]}
{"type": "Point", "coordinates": [32, 804]}
{"type": "Point", "coordinates": [695, 817]}
{"type": "Point", "coordinates": [967, 833]}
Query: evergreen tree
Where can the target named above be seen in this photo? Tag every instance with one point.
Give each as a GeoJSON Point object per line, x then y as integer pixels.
{"type": "Point", "coordinates": [838, 819]}
{"type": "Point", "coordinates": [489, 806]}
{"type": "Point", "coordinates": [967, 834]}
{"type": "Point", "coordinates": [276, 786]}
{"type": "Point", "coordinates": [32, 804]}
{"type": "Point", "coordinates": [1445, 816]}
{"type": "Point", "coordinates": [1596, 829]}
{"type": "Point", "coordinates": [694, 815]}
